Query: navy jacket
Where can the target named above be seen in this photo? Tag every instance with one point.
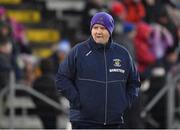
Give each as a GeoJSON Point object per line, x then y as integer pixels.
{"type": "Point", "coordinates": [99, 81]}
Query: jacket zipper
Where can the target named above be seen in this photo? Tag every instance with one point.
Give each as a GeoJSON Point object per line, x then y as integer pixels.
{"type": "Point", "coordinates": [105, 120]}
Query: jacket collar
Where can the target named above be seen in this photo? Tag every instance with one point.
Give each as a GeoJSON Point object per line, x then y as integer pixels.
{"type": "Point", "coordinates": [95, 45]}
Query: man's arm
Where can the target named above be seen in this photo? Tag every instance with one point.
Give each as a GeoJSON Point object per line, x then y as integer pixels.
{"type": "Point", "coordinates": [65, 79]}
{"type": "Point", "coordinates": [133, 82]}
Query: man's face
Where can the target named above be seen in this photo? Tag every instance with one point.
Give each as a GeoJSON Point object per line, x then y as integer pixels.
{"type": "Point", "coordinates": [100, 34]}
{"type": "Point", "coordinates": [61, 55]}
{"type": "Point", "coordinates": [6, 48]}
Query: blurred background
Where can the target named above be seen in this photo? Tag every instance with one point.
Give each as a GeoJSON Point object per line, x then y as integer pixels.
{"type": "Point", "coordinates": [36, 35]}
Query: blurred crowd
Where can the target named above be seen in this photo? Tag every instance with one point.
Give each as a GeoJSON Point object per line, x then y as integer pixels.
{"type": "Point", "coordinates": [30, 70]}
{"type": "Point", "coordinates": [149, 29]}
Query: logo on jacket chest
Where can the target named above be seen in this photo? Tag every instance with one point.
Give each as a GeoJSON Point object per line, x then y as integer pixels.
{"type": "Point", "coordinates": [117, 63]}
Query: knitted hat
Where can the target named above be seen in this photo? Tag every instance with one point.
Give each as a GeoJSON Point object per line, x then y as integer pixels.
{"type": "Point", "coordinates": [104, 19]}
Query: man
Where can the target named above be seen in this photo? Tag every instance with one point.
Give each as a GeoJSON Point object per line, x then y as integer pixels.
{"type": "Point", "coordinates": [5, 61]}
{"type": "Point", "coordinates": [45, 85]}
{"type": "Point", "coordinates": [61, 51]}
{"type": "Point", "coordinates": [99, 78]}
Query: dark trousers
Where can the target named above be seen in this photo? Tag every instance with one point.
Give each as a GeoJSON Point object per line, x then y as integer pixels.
{"type": "Point", "coordinates": [87, 125]}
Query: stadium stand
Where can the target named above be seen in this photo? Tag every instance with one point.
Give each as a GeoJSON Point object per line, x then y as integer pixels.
{"type": "Point", "coordinates": [11, 2]}
{"type": "Point", "coordinates": [25, 15]}
{"type": "Point", "coordinates": [42, 26]}
{"type": "Point", "coordinates": [43, 29]}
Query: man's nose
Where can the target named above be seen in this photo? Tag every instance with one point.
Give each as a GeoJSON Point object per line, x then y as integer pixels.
{"type": "Point", "coordinates": [98, 30]}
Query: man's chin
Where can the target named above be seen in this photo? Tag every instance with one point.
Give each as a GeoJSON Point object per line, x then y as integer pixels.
{"type": "Point", "coordinates": [99, 41]}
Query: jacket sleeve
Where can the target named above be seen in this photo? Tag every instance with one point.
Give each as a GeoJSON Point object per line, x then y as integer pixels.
{"type": "Point", "coordinates": [65, 79]}
{"type": "Point", "coordinates": [133, 82]}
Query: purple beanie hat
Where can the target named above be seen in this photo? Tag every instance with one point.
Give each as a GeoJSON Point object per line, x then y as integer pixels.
{"type": "Point", "coordinates": [104, 19]}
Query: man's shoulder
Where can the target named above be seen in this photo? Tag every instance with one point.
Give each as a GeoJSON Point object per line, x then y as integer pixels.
{"type": "Point", "coordinates": [119, 47]}
{"type": "Point", "coordinates": [121, 50]}
{"type": "Point", "coordinates": [81, 45]}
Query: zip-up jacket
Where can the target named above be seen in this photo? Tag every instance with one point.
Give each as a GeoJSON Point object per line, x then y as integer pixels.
{"type": "Point", "coordinates": [100, 81]}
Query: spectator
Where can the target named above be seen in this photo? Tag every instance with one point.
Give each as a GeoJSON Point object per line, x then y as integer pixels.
{"type": "Point", "coordinates": [5, 61]}
{"type": "Point", "coordinates": [61, 51]}
{"type": "Point", "coordinates": [118, 11]}
{"type": "Point", "coordinates": [160, 39]}
{"type": "Point", "coordinates": [145, 58]}
{"type": "Point", "coordinates": [19, 35]}
{"type": "Point", "coordinates": [127, 38]}
{"type": "Point", "coordinates": [151, 10]}
{"type": "Point", "coordinates": [135, 10]}
{"type": "Point", "coordinates": [163, 19]}
{"type": "Point", "coordinates": [29, 63]}
{"type": "Point", "coordinates": [45, 84]}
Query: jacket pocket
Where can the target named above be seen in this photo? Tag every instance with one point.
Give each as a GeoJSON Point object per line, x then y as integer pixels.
{"type": "Point", "coordinates": [76, 103]}
{"type": "Point", "coordinates": [92, 100]}
{"type": "Point", "coordinates": [117, 100]}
